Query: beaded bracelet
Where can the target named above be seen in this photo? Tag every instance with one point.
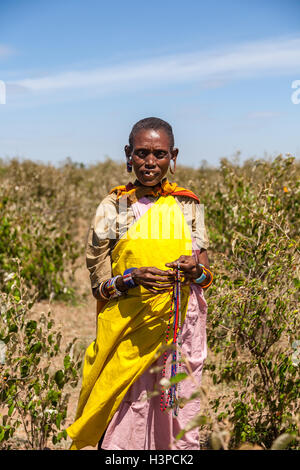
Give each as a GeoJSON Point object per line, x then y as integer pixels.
{"type": "Point", "coordinates": [127, 278]}
{"type": "Point", "coordinates": [101, 290]}
{"type": "Point", "coordinates": [111, 287]}
{"type": "Point", "coordinates": [211, 279]}
{"type": "Point", "coordinates": [204, 276]}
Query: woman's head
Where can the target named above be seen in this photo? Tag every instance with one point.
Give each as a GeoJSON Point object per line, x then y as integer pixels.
{"type": "Point", "coordinates": [150, 150]}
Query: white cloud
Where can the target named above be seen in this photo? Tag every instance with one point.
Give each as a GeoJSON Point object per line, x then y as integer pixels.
{"type": "Point", "coordinates": [277, 56]}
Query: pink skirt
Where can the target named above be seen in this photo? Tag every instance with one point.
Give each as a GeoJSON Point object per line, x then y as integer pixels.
{"type": "Point", "coordinates": [139, 423]}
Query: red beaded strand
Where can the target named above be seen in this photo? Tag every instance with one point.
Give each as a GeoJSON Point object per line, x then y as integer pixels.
{"type": "Point", "coordinates": [164, 406]}
{"type": "Point", "coordinates": [176, 312]}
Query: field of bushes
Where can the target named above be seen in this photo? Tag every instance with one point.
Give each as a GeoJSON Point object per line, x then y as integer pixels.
{"type": "Point", "coordinates": [250, 392]}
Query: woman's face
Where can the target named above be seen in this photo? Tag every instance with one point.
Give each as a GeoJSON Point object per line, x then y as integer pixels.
{"type": "Point", "coordinates": [151, 155]}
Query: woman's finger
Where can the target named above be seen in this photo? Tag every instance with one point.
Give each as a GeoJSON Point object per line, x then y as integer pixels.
{"type": "Point", "coordinates": [181, 261]}
{"type": "Point", "coordinates": [157, 285]}
{"type": "Point", "coordinates": [157, 282]}
{"type": "Point", "coordinates": [160, 280]}
{"type": "Point", "coordinates": [175, 262]}
{"type": "Point", "coordinates": [156, 291]}
{"type": "Point", "coordinates": [154, 270]}
{"type": "Point", "coordinates": [156, 279]}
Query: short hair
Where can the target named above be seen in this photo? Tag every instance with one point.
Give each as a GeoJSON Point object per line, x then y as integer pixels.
{"type": "Point", "coordinates": [151, 123]}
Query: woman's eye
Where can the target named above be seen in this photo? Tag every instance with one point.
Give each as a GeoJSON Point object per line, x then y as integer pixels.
{"type": "Point", "coordinates": [144, 153]}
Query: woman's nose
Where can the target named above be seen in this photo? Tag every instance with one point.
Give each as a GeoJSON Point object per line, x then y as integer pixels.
{"type": "Point", "coordinates": [150, 160]}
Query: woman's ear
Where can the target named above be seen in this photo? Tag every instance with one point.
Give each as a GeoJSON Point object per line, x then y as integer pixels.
{"type": "Point", "coordinates": [127, 151]}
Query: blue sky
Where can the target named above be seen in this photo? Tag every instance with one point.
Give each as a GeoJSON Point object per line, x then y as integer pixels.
{"type": "Point", "coordinates": [79, 73]}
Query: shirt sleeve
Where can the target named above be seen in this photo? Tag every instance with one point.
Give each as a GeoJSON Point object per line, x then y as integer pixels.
{"type": "Point", "coordinates": [194, 214]}
{"type": "Point", "coordinates": [199, 231]}
{"type": "Point", "coordinates": [100, 241]}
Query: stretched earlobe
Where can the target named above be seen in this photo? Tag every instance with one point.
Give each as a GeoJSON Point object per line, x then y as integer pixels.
{"type": "Point", "coordinates": [129, 165]}
{"type": "Point", "coordinates": [172, 170]}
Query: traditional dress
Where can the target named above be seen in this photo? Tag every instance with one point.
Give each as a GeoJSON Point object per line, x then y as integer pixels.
{"type": "Point", "coordinates": [135, 228]}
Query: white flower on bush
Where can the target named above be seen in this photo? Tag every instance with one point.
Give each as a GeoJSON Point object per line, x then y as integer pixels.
{"type": "Point", "coordinates": [8, 277]}
{"type": "Point", "coordinates": [2, 352]}
{"type": "Point", "coordinates": [51, 411]}
{"type": "Point", "coordinates": [296, 353]}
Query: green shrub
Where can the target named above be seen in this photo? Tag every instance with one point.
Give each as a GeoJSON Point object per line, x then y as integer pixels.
{"type": "Point", "coordinates": [34, 393]}
{"type": "Point", "coordinates": [37, 221]}
{"type": "Point", "coordinates": [253, 304]}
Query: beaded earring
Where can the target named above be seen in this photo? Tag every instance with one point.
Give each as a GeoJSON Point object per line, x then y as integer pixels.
{"type": "Point", "coordinates": [129, 165]}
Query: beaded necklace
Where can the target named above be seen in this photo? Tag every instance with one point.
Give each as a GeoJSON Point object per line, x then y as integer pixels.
{"type": "Point", "coordinates": [175, 312]}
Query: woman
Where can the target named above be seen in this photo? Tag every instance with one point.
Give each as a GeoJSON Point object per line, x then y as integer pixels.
{"type": "Point", "coordinates": [141, 233]}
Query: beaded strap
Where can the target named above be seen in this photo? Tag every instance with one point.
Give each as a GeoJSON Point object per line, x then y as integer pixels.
{"type": "Point", "coordinates": [175, 312]}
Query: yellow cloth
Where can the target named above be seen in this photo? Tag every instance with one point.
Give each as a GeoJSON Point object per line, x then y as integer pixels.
{"type": "Point", "coordinates": [164, 188]}
{"type": "Point", "coordinates": [131, 328]}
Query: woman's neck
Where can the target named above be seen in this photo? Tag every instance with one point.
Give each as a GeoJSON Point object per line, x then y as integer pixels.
{"type": "Point", "coordinates": [138, 183]}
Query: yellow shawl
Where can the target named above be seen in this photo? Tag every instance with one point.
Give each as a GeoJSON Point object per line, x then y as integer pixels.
{"type": "Point", "coordinates": [135, 191]}
{"type": "Point", "coordinates": [131, 329]}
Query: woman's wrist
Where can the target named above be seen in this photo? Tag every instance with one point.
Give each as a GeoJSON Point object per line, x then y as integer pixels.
{"type": "Point", "coordinates": [134, 276]}
{"type": "Point", "coordinates": [120, 284]}
{"type": "Point", "coordinates": [96, 293]}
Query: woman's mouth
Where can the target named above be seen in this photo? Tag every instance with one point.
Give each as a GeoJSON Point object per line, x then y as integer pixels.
{"type": "Point", "coordinates": [149, 173]}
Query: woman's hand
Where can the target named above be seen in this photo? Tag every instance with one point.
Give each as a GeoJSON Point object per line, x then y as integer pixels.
{"type": "Point", "coordinates": [153, 279]}
{"type": "Point", "coordinates": [188, 265]}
